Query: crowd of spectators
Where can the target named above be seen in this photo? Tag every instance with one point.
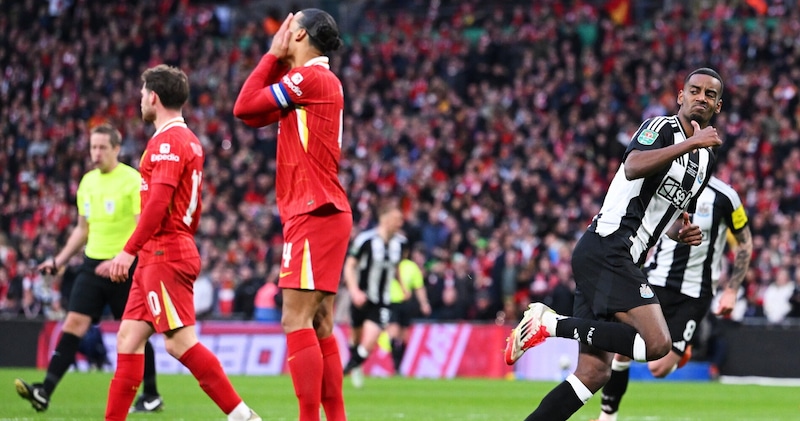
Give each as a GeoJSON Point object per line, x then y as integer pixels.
{"type": "Point", "coordinates": [497, 128]}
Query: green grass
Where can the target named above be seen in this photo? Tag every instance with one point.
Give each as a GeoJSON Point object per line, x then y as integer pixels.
{"type": "Point", "coordinates": [82, 396]}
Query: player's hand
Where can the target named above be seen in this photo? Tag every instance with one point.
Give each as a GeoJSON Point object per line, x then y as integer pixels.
{"type": "Point", "coordinates": [280, 42]}
{"type": "Point", "coordinates": [690, 233]}
{"type": "Point", "coordinates": [726, 302]}
{"type": "Point", "coordinates": [703, 138]}
{"type": "Point", "coordinates": [358, 298]}
{"type": "Point", "coordinates": [120, 266]}
{"type": "Point", "coordinates": [103, 269]}
{"type": "Point", "coordinates": [48, 267]}
{"type": "Point", "coordinates": [425, 308]}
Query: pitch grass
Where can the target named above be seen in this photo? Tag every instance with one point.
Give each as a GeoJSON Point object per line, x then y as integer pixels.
{"type": "Point", "coordinates": [82, 396]}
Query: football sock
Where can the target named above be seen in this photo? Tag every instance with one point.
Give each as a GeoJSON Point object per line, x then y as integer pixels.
{"type": "Point", "coordinates": [332, 399]}
{"type": "Point", "coordinates": [306, 368]}
{"type": "Point", "coordinates": [614, 337]}
{"type": "Point", "coordinates": [398, 349]}
{"type": "Point", "coordinates": [616, 387]}
{"type": "Point", "coordinates": [563, 401]}
{"type": "Point", "coordinates": [124, 385]}
{"type": "Point", "coordinates": [240, 413]}
{"type": "Point", "coordinates": [149, 370]}
{"type": "Point", "coordinates": [62, 358]}
{"type": "Point", "coordinates": [205, 367]}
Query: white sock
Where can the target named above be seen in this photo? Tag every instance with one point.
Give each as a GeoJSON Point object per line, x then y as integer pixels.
{"type": "Point", "coordinates": [362, 352]}
{"type": "Point", "coordinates": [607, 417]}
{"type": "Point", "coordinates": [240, 413]}
{"type": "Point", "coordinates": [549, 321]}
{"type": "Point", "coordinates": [583, 392]}
{"type": "Point", "coordinates": [639, 349]}
{"type": "Point", "coordinates": [617, 365]}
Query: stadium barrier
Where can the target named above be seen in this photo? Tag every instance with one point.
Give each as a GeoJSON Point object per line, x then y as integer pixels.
{"type": "Point", "coordinates": [435, 350]}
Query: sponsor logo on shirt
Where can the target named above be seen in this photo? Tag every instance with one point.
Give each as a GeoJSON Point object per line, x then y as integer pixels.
{"type": "Point", "coordinates": [165, 157]}
{"type": "Point", "coordinates": [672, 190]}
{"type": "Point", "coordinates": [291, 85]}
{"type": "Point", "coordinates": [163, 148]}
{"type": "Point", "coordinates": [144, 186]}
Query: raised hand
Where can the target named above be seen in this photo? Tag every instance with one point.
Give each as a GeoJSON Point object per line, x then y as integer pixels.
{"type": "Point", "coordinates": [280, 42]}
{"type": "Point", "coordinates": [703, 138]}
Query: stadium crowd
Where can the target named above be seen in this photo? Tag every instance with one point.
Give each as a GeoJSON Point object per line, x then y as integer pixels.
{"type": "Point", "coordinates": [496, 127]}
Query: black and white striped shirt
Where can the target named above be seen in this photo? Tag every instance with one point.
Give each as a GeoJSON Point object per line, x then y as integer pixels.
{"type": "Point", "coordinates": [639, 210]}
{"type": "Point", "coordinates": [377, 263]}
{"type": "Point", "coordinates": [694, 270]}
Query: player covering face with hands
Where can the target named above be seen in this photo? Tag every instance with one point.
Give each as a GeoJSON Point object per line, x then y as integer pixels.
{"type": "Point", "coordinates": [293, 86]}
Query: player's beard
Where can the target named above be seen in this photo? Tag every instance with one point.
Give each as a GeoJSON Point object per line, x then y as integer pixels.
{"type": "Point", "coordinates": [148, 115]}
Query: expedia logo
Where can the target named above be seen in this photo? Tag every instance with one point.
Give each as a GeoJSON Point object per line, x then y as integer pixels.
{"type": "Point", "coordinates": [672, 190]}
{"type": "Point", "coordinates": [165, 157]}
{"type": "Point", "coordinates": [291, 85]}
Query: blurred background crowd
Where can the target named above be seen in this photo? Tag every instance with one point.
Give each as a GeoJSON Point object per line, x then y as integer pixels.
{"type": "Point", "coordinates": [497, 129]}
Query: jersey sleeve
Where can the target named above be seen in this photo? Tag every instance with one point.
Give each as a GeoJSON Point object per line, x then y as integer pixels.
{"type": "Point", "coordinates": [256, 104]}
{"type": "Point", "coordinates": [654, 133]}
{"type": "Point", "coordinates": [82, 210]}
{"type": "Point", "coordinates": [735, 215]}
{"type": "Point", "coordinates": [168, 160]}
{"type": "Point", "coordinates": [136, 195]}
{"type": "Point", "coordinates": [357, 247]}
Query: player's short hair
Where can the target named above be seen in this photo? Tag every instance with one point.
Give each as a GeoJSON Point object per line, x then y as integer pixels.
{"type": "Point", "coordinates": [114, 137]}
{"type": "Point", "coordinates": [709, 72]}
{"type": "Point", "coordinates": [170, 84]}
{"type": "Point", "coordinates": [323, 33]}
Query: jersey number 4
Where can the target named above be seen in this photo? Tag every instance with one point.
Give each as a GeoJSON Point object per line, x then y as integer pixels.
{"type": "Point", "coordinates": [197, 180]}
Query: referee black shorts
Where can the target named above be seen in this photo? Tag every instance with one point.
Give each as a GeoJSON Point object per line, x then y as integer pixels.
{"type": "Point", "coordinates": [683, 314]}
{"type": "Point", "coordinates": [606, 278]}
{"type": "Point", "coordinates": [376, 313]}
{"type": "Point", "coordinates": [91, 293]}
{"type": "Point", "coordinates": [402, 313]}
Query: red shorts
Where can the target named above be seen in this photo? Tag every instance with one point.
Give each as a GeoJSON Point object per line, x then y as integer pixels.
{"type": "Point", "coordinates": [163, 294]}
{"type": "Point", "coordinates": [314, 248]}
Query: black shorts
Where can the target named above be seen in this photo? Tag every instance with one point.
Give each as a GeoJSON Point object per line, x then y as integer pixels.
{"type": "Point", "coordinates": [402, 313]}
{"type": "Point", "coordinates": [683, 314]}
{"type": "Point", "coordinates": [91, 292]}
{"type": "Point", "coordinates": [378, 314]}
{"type": "Point", "coordinates": [606, 278]}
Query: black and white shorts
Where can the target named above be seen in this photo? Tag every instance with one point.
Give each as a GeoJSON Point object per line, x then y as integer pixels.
{"type": "Point", "coordinates": [607, 280]}
{"type": "Point", "coordinates": [683, 314]}
{"type": "Point", "coordinates": [376, 313]}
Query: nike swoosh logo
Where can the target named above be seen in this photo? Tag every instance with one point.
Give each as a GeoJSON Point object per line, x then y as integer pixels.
{"type": "Point", "coordinates": [39, 397]}
{"type": "Point", "coordinates": [284, 274]}
{"type": "Point", "coordinates": [152, 404]}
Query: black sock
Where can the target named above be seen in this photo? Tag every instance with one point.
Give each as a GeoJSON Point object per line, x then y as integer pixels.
{"type": "Point", "coordinates": [398, 349]}
{"type": "Point", "coordinates": [558, 405]}
{"type": "Point", "coordinates": [614, 390]}
{"type": "Point", "coordinates": [609, 336]}
{"type": "Point", "coordinates": [62, 358]}
{"type": "Point", "coordinates": [149, 370]}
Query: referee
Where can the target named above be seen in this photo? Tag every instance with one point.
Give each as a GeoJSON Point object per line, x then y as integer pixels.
{"type": "Point", "coordinates": [370, 267]}
{"type": "Point", "coordinates": [108, 209]}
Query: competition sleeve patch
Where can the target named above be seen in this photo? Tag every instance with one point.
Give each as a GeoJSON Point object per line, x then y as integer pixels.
{"type": "Point", "coordinates": [647, 137]}
{"type": "Point", "coordinates": [739, 217]}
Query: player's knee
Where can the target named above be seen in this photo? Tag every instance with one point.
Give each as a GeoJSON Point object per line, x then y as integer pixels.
{"type": "Point", "coordinates": [658, 347]}
{"type": "Point", "coordinates": [76, 324]}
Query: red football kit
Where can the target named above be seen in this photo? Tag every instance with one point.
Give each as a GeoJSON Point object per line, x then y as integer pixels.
{"type": "Point", "coordinates": [169, 263]}
{"type": "Point", "coordinates": [308, 104]}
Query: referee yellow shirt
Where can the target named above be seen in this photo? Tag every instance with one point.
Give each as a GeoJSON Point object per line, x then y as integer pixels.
{"type": "Point", "coordinates": [110, 203]}
{"type": "Point", "coordinates": [411, 275]}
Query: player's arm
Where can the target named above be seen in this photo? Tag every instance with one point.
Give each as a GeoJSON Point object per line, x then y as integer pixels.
{"type": "Point", "coordinates": [357, 296]}
{"type": "Point", "coordinates": [76, 240]}
{"type": "Point", "coordinates": [642, 162]}
{"type": "Point", "coordinates": [422, 298]}
{"type": "Point", "coordinates": [259, 101]}
{"type": "Point", "coordinates": [742, 247]}
{"type": "Point", "coordinates": [152, 215]}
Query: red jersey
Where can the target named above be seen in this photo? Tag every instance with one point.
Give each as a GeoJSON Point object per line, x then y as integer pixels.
{"type": "Point", "coordinates": [174, 157]}
{"type": "Point", "coordinates": [308, 104]}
